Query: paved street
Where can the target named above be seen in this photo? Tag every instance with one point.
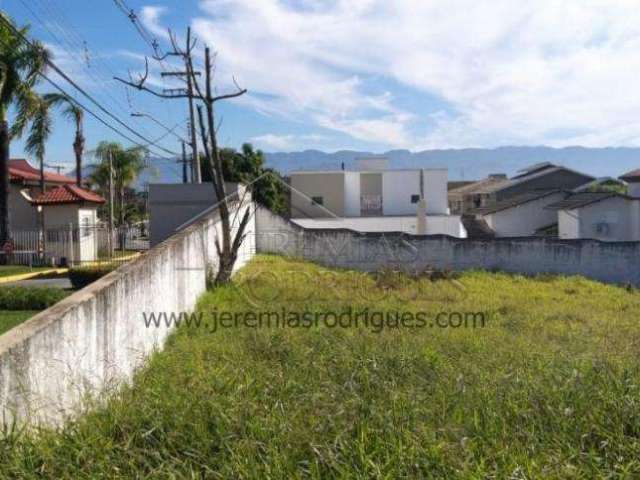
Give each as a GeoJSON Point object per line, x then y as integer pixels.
{"type": "Point", "coordinates": [60, 282]}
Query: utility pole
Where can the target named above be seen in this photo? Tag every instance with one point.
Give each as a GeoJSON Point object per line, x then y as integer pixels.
{"type": "Point", "coordinates": [197, 173]}
{"type": "Point", "coordinates": [184, 163]}
{"type": "Point", "coordinates": [110, 204]}
{"type": "Point", "coordinates": [57, 168]}
{"type": "Point", "coordinates": [192, 123]}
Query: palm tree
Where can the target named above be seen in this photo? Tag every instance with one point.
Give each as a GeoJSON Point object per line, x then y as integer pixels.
{"type": "Point", "coordinates": [73, 112]}
{"type": "Point", "coordinates": [37, 109]}
{"type": "Point", "coordinates": [20, 64]}
{"type": "Point", "coordinates": [127, 165]}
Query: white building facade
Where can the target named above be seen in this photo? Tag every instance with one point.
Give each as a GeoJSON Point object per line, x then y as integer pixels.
{"type": "Point", "coordinates": [341, 193]}
{"type": "Point", "coordinates": [374, 199]}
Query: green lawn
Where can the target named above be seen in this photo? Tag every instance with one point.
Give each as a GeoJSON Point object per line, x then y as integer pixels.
{"type": "Point", "coordinates": [11, 318]}
{"type": "Point", "coordinates": [8, 270]}
{"type": "Point", "coordinates": [549, 388]}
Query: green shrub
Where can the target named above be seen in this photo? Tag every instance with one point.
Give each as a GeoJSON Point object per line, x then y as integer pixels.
{"type": "Point", "coordinates": [29, 298]}
{"type": "Point", "coordinates": [82, 276]}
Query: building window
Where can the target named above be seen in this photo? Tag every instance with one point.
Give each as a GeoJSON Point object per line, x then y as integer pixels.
{"type": "Point", "coordinates": [317, 201]}
{"type": "Point", "coordinates": [415, 198]}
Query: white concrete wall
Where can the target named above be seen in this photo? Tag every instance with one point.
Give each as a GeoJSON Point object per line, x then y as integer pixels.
{"type": "Point", "coordinates": [352, 194]}
{"type": "Point", "coordinates": [615, 213]}
{"type": "Point", "coordinates": [604, 261]}
{"type": "Point", "coordinates": [634, 189]}
{"type": "Point", "coordinates": [436, 224]}
{"type": "Point", "coordinates": [568, 224]}
{"type": "Point", "coordinates": [397, 188]}
{"type": "Point", "coordinates": [96, 338]}
{"type": "Point", "coordinates": [60, 216]}
{"type": "Point", "coordinates": [22, 215]}
{"type": "Point", "coordinates": [66, 236]}
{"type": "Point", "coordinates": [435, 191]}
{"type": "Point", "coordinates": [524, 219]}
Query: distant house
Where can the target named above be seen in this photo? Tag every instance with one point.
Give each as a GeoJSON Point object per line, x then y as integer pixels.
{"type": "Point", "coordinates": [632, 179]}
{"type": "Point", "coordinates": [24, 184]}
{"type": "Point", "coordinates": [372, 198]}
{"type": "Point", "coordinates": [520, 215]}
{"type": "Point", "coordinates": [598, 210]}
{"type": "Point", "coordinates": [606, 216]}
{"type": "Point", "coordinates": [542, 176]}
{"type": "Point", "coordinates": [361, 193]}
{"type": "Point", "coordinates": [474, 194]}
{"type": "Point", "coordinates": [70, 223]}
{"type": "Point", "coordinates": [511, 207]}
{"type": "Point", "coordinates": [69, 214]}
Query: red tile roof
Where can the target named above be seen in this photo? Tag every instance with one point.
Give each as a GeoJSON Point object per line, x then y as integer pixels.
{"type": "Point", "coordinates": [632, 175]}
{"type": "Point", "coordinates": [67, 194]}
{"type": "Point", "coordinates": [21, 171]}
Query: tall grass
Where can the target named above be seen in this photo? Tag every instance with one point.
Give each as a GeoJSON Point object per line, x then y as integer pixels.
{"type": "Point", "coordinates": [549, 388]}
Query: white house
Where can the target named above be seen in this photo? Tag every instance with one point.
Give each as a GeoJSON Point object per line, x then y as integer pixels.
{"type": "Point", "coordinates": [24, 184]}
{"type": "Point", "coordinates": [70, 223]}
{"type": "Point", "coordinates": [521, 215]}
{"type": "Point", "coordinates": [606, 216]}
{"type": "Point", "coordinates": [374, 199]}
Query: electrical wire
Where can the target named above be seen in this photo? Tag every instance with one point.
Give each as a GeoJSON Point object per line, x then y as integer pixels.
{"type": "Point", "coordinates": [60, 72]}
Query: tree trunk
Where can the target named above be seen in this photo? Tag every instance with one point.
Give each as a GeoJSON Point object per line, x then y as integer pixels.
{"type": "Point", "coordinates": [5, 233]}
{"type": "Point", "coordinates": [42, 186]}
{"type": "Point", "coordinates": [78, 147]}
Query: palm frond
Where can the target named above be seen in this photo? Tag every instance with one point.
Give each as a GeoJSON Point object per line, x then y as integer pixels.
{"type": "Point", "coordinates": [40, 130]}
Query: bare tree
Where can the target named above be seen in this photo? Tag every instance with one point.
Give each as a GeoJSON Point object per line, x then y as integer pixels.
{"type": "Point", "coordinates": [228, 249]}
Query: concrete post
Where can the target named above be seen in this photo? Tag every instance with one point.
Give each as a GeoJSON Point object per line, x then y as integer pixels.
{"type": "Point", "coordinates": [421, 223]}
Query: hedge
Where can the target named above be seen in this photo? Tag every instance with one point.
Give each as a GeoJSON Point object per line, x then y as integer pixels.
{"type": "Point", "coordinates": [30, 298]}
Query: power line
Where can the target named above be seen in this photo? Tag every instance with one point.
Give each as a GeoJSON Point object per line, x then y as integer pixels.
{"type": "Point", "coordinates": [94, 115]}
{"type": "Point", "coordinates": [103, 65]}
{"type": "Point", "coordinates": [81, 90]}
{"type": "Point", "coordinates": [68, 45]}
{"type": "Point", "coordinates": [146, 36]}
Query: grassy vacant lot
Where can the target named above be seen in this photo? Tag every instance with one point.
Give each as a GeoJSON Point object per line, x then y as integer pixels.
{"type": "Point", "coordinates": [549, 388]}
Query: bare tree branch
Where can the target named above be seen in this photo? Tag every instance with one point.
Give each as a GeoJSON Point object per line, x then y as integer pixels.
{"type": "Point", "coordinates": [139, 85]}
{"type": "Point", "coordinates": [227, 247]}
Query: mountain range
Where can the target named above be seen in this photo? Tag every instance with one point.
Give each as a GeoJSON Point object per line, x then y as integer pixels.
{"type": "Point", "coordinates": [463, 164]}
{"type": "Point", "coordinates": [472, 163]}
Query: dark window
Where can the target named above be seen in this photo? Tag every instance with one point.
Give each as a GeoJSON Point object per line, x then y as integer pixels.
{"type": "Point", "coordinates": [317, 201]}
{"type": "Point", "coordinates": [415, 198]}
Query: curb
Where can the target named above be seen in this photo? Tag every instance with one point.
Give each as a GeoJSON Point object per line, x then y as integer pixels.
{"type": "Point", "coordinates": [30, 275]}
{"type": "Point", "coordinates": [115, 260]}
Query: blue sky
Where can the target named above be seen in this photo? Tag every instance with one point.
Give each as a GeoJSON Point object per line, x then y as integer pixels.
{"type": "Point", "coordinates": [365, 74]}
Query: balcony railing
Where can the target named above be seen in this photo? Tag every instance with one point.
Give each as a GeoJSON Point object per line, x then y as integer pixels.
{"type": "Point", "coordinates": [371, 205]}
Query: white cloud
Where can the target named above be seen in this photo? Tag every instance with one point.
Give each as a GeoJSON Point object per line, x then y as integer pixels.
{"type": "Point", "coordinates": [288, 142]}
{"type": "Point", "coordinates": [510, 71]}
{"type": "Point", "coordinates": [150, 18]}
